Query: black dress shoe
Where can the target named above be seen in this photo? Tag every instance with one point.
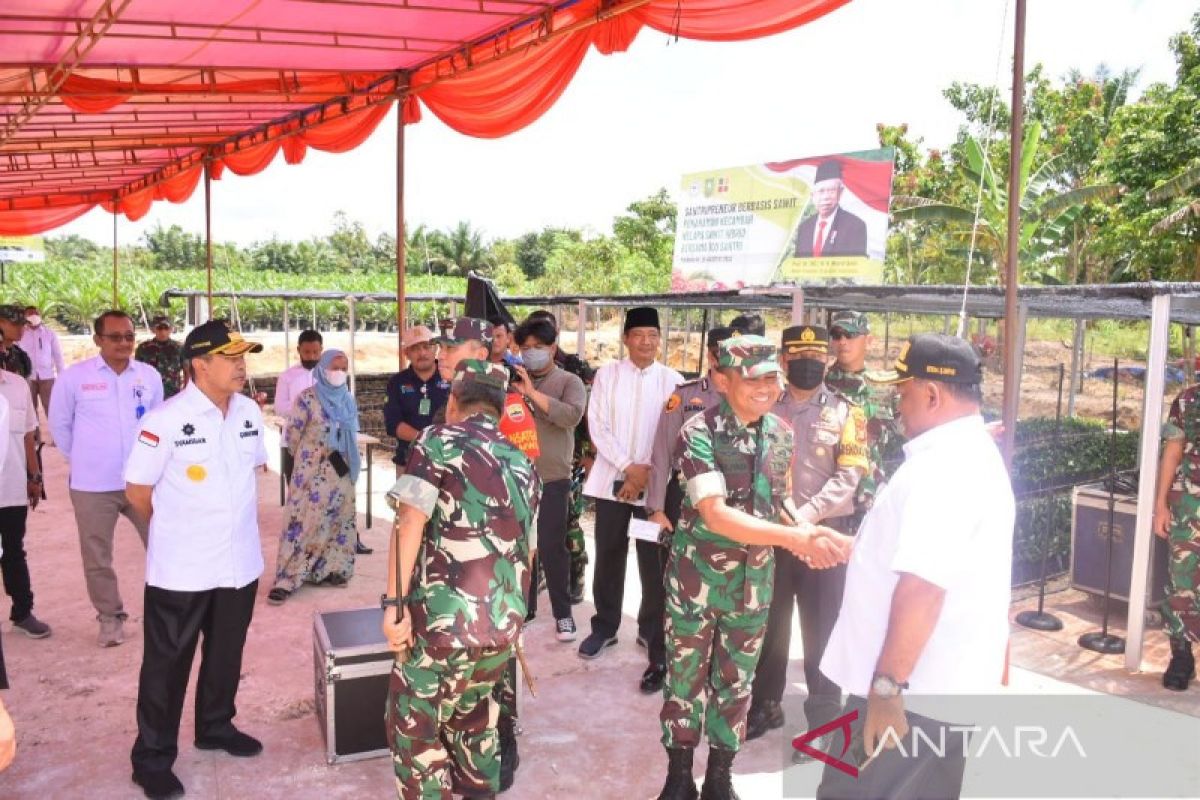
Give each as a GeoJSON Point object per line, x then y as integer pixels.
{"type": "Point", "coordinates": [159, 784]}
{"type": "Point", "coordinates": [652, 679]}
{"type": "Point", "coordinates": [362, 550]}
{"type": "Point", "coordinates": [763, 717]}
{"type": "Point", "coordinates": [237, 744]}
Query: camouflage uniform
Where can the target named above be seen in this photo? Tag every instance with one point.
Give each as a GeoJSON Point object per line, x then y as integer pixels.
{"type": "Point", "coordinates": [1181, 608]}
{"type": "Point", "coordinates": [879, 404]}
{"type": "Point", "coordinates": [167, 358]}
{"type": "Point", "coordinates": [719, 591]}
{"type": "Point", "coordinates": [467, 601]}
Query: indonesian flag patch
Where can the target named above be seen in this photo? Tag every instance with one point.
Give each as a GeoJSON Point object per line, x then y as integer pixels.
{"type": "Point", "coordinates": [147, 438]}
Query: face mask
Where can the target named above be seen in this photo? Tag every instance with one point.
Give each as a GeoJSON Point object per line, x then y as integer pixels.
{"type": "Point", "coordinates": [309, 363]}
{"type": "Point", "coordinates": [805, 373]}
{"type": "Point", "coordinates": [337, 377]}
{"type": "Point", "coordinates": [34, 320]}
{"type": "Point", "coordinates": [536, 359]}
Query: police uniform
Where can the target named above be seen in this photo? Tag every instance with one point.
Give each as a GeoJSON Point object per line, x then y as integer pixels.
{"type": "Point", "coordinates": [718, 590]}
{"type": "Point", "coordinates": [203, 559]}
{"type": "Point", "coordinates": [663, 492]}
{"type": "Point", "coordinates": [1181, 608]}
{"type": "Point", "coordinates": [467, 601]}
{"type": "Point", "coordinates": [831, 457]}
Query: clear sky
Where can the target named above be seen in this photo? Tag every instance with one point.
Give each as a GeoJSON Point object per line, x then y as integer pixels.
{"type": "Point", "coordinates": [633, 122]}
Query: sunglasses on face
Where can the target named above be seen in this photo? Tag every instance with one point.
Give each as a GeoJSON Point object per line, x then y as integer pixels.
{"type": "Point", "coordinates": [839, 335]}
{"type": "Point", "coordinates": [118, 337]}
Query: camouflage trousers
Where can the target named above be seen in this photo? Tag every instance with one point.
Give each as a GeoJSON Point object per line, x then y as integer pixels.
{"type": "Point", "coordinates": [441, 721]}
{"type": "Point", "coordinates": [1181, 609]}
{"type": "Point", "coordinates": [505, 691]}
{"type": "Point", "coordinates": [711, 656]}
{"type": "Point", "coordinates": [575, 543]}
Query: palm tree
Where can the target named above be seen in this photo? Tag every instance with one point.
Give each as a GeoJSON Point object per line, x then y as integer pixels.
{"type": "Point", "coordinates": [1046, 209]}
{"type": "Point", "coordinates": [462, 250]}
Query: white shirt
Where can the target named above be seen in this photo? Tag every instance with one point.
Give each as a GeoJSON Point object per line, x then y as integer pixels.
{"type": "Point", "coordinates": [3, 439]}
{"type": "Point", "coordinates": [291, 382]}
{"type": "Point", "coordinates": [946, 517]}
{"type": "Point", "coordinates": [94, 419]}
{"type": "Point", "coordinates": [204, 530]}
{"type": "Point", "coordinates": [22, 419]}
{"type": "Point", "coordinates": [43, 348]}
{"type": "Point", "coordinates": [821, 235]}
{"type": "Point", "coordinates": [623, 413]}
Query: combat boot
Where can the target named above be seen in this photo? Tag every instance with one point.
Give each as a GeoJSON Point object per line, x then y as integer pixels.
{"type": "Point", "coordinates": [718, 782]}
{"type": "Point", "coordinates": [509, 758]}
{"type": "Point", "coordinates": [1182, 668]}
{"type": "Point", "coordinates": [680, 784]}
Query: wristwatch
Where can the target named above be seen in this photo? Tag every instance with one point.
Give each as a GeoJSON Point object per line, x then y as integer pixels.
{"type": "Point", "coordinates": [886, 686]}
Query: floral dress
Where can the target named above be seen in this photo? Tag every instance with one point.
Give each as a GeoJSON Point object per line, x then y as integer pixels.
{"type": "Point", "coordinates": [319, 536]}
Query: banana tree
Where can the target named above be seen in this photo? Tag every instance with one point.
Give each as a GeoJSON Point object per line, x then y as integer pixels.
{"type": "Point", "coordinates": [1046, 208]}
{"type": "Point", "coordinates": [1186, 218]}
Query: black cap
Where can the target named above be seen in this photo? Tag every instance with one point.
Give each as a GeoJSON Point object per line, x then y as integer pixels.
{"type": "Point", "coordinates": [751, 324]}
{"type": "Point", "coordinates": [828, 171]}
{"type": "Point", "coordinates": [717, 335]}
{"type": "Point", "coordinates": [804, 337]}
{"type": "Point", "coordinates": [936, 357]}
{"type": "Point", "coordinates": [215, 338]}
{"type": "Point", "coordinates": [641, 317]}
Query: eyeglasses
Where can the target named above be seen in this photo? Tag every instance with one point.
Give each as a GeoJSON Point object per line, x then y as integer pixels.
{"type": "Point", "coordinates": [839, 335]}
{"type": "Point", "coordinates": [118, 337]}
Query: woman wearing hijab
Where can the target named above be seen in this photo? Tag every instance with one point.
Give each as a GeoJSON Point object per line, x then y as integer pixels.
{"type": "Point", "coordinates": [318, 539]}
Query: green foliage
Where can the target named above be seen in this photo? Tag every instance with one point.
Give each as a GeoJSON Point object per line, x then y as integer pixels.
{"type": "Point", "coordinates": [1080, 454]}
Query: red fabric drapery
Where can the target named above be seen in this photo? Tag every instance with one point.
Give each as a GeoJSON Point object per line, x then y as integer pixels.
{"type": "Point", "coordinates": [25, 222]}
{"type": "Point", "coordinates": [512, 80]}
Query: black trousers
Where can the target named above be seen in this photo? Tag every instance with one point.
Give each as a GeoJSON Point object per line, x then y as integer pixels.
{"type": "Point", "coordinates": [552, 549]}
{"type": "Point", "coordinates": [174, 621]}
{"type": "Point", "coordinates": [817, 593]}
{"type": "Point", "coordinates": [608, 579]}
{"type": "Point", "coordinates": [921, 774]}
{"type": "Point", "coordinates": [657, 640]}
{"type": "Point", "coordinates": [13, 565]}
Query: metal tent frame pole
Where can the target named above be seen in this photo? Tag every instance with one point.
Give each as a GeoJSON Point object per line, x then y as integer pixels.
{"type": "Point", "coordinates": [1156, 364]}
{"type": "Point", "coordinates": [208, 253]}
{"type": "Point", "coordinates": [116, 279]}
{"type": "Point", "coordinates": [1012, 357]}
{"type": "Point", "coordinates": [581, 329]}
{"type": "Point", "coordinates": [401, 242]}
{"type": "Point", "coordinates": [352, 315]}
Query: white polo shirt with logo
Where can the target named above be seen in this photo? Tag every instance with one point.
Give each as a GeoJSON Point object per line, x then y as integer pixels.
{"type": "Point", "coordinates": [204, 530]}
{"type": "Point", "coordinates": [947, 517]}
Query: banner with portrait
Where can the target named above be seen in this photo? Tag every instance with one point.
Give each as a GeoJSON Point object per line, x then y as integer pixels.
{"type": "Point", "coordinates": [822, 219]}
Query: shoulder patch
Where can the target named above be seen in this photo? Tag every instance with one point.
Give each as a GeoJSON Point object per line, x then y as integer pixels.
{"type": "Point", "coordinates": [672, 403]}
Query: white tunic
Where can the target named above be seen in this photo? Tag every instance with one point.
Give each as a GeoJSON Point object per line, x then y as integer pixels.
{"type": "Point", "coordinates": [204, 530]}
{"type": "Point", "coordinates": [623, 412]}
{"type": "Point", "coordinates": [22, 419]}
{"type": "Point", "coordinates": [291, 382]}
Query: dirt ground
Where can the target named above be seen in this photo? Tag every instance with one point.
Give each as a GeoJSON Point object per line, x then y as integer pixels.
{"type": "Point", "coordinates": [588, 734]}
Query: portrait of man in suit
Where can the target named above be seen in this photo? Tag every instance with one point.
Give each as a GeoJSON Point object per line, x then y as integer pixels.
{"type": "Point", "coordinates": [832, 231]}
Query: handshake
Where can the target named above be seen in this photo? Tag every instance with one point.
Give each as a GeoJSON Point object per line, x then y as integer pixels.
{"type": "Point", "coordinates": [818, 546]}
